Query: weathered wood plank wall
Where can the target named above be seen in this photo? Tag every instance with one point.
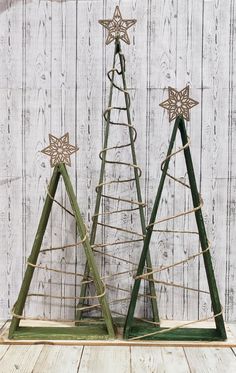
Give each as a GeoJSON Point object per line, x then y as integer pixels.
{"type": "Point", "coordinates": [53, 64]}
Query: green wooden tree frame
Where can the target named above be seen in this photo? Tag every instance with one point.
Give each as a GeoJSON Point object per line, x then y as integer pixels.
{"type": "Point", "coordinates": [100, 330]}
{"type": "Point", "coordinates": [135, 329]}
{"type": "Point", "coordinates": [117, 52]}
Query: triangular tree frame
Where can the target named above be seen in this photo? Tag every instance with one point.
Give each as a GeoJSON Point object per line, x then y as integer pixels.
{"type": "Point", "coordinates": [117, 51]}
{"type": "Point", "coordinates": [134, 329]}
{"type": "Point", "coordinates": [100, 330]}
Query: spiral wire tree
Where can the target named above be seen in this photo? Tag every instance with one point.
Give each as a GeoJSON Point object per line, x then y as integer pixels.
{"type": "Point", "coordinates": [124, 209]}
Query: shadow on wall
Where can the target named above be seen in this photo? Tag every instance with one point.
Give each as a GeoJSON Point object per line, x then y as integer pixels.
{"type": "Point", "coordinates": [6, 4]}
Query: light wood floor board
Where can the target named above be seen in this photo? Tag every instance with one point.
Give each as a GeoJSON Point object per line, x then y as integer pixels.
{"type": "Point", "coordinates": [3, 350]}
{"type": "Point", "coordinates": [105, 359]}
{"type": "Point", "coordinates": [20, 359]}
{"type": "Point", "coordinates": [211, 360]}
{"type": "Point", "coordinates": [58, 359]}
{"type": "Point", "coordinates": [153, 359]}
{"type": "Point", "coordinates": [115, 359]}
{"type": "Point", "coordinates": [233, 330]}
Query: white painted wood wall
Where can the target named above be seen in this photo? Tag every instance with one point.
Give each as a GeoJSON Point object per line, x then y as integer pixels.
{"type": "Point", "coordinates": [53, 64]}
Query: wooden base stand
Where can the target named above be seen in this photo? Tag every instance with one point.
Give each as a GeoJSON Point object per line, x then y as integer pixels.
{"type": "Point", "coordinates": [49, 332]}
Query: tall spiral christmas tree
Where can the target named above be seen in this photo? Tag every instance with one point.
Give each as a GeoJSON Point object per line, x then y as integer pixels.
{"type": "Point", "coordinates": [117, 31]}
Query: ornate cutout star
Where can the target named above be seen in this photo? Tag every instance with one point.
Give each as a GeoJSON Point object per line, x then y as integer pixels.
{"type": "Point", "coordinates": [59, 150]}
{"type": "Point", "coordinates": [178, 103]}
{"type": "Point", "coordinates": [117, 27]}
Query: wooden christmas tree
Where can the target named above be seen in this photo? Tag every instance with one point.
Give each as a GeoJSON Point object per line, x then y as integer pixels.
{"type": "Point", "coordinates": [117, 31]}
{"type": "Point", "coordinates": [59, 151]}
{"type": "Point", "coordinates": [178, 105]}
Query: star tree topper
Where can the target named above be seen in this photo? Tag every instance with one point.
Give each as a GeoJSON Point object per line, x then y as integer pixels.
{"type": "Point", "coordinates": [178, 103]}
{"type": "Point", "coordinates": [117, 27]}
{"type": "Point", "coordinates": [59, 150]}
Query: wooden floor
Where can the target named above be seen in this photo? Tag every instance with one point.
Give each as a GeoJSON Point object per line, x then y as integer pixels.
{"type": "Point", "coordinates": [116, 359]}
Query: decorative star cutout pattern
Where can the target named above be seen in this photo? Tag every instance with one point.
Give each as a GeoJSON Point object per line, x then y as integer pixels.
{"type": "Point", "coordinates": [117, 27]}
{"type": "Point", "coordinates": [59, 150]}
{"type": "Point", "coordinates": [178, 103]}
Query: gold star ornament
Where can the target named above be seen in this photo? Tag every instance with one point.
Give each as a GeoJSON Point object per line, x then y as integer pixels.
{"type": "Point", "coordinates": [117, 27]}
{"type": "Point", "coordinates": [59, 150]}
{"type": "Point", "coordinates": [178, 103]}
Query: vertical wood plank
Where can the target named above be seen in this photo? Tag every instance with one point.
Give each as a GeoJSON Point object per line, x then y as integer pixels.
{"type": "Point", "coordinates": [230, 279]}
{"type": "Point", "coordinates": [63, 106]}
{"type": "Point", "coordinates": [11, 154]}
{"type": "Point", "coordinates": [88, 114]}
{"type": "Point", "coordinates": [36, 126]}
{"type": "Point", "coordinates": [136, 76]}
{"type": "Point", "coordinates": [215, 98]}
{"type": "Point", "coordinates": [188, 71]}
{"type": "Point", "coordinates": [137, 80]}
{"type": "Point", "coordinates": [161, 74]}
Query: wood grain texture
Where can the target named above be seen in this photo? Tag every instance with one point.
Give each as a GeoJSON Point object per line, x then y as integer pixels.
{"type": "Point", "coordinates": [58, 359]}
{"type": "Point", "coordinates": [36, 125]}
{"type": "Point", "coordinates": [216, 16]}
{"type": "Point", "coordinates": [11, 175]}
{"type": "Point", "coordinates": [188, 68]}
{"type": "Point", "coordinates": [69, 359]}
{"type": "Point", "coordinates": [233, 329]}
{"type": "Point", "coordinates": [3, 350]}
{"type": "Point", "coordinates": [210, 360]}
{"type": "Point", "coordinates": [162, 58]}
{"type": "Point", "coordinates": [53, 79]}
{"type": "Point", "coordinates": [20, 358]}
{"type": "Point", "coordinates": [89, 126]}
{"type": "Point", "coordinates": [230, 303]}
{"type": "Point", "coordinates": [158, 360]}
{"type": "Point", "coordinates": [105, 359]}
{"type": "Point", "coordinates": [63, 104]}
